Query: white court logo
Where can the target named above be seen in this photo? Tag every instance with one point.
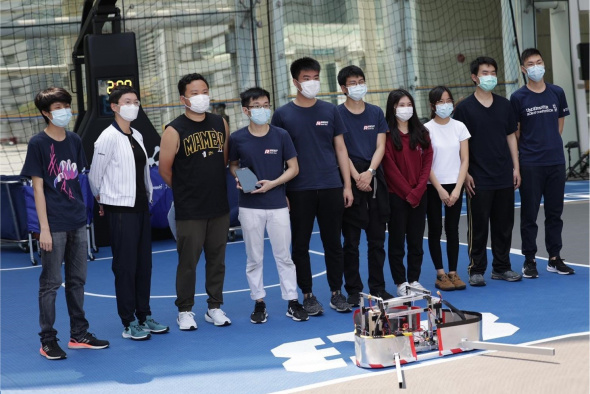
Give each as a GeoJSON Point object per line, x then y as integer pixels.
{"type": "Point", "coordinates": [304, 356]}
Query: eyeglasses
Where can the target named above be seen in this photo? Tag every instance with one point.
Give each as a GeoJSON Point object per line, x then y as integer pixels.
{"type": "Point", "coordinates": [136, 103]}
{"type": "Point", "coordinates": [354, 83]}
{"type": "Point", "coordinates": [449, 101]}
{"type": "Point", "coordinates": [265, 106]}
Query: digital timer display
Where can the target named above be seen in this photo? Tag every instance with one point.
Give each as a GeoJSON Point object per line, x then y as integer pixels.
{"type": "Point", "coordinates": [105, 87]}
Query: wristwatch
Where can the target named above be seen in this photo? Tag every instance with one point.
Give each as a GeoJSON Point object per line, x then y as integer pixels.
{"type": "Point", "coordinates": [372, 171]}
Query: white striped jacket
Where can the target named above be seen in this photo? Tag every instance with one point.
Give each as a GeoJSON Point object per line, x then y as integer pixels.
{"type": "Point", "coordinates": [112, 174]}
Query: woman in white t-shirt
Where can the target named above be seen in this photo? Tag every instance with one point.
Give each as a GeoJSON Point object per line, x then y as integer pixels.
{"type": "Point", "coordinates": [445, 187]}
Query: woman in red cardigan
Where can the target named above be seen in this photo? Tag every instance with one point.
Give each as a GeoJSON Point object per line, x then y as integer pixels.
{"type": "Point", "coordinates": [407, 163]}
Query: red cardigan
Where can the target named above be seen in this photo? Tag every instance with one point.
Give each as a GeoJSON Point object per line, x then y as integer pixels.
{"type": "Point", "coordinates": [407, 170]}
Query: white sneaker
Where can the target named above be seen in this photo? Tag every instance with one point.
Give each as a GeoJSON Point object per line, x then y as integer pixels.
{"type": "Point", "coordinates": [417, 285]}
{"type": "Point", "coordinates": [186, 321]}
{"type": "Point", "coordinates": [402, 290]}
{"type": "Point", "coordinates": [217, 317]}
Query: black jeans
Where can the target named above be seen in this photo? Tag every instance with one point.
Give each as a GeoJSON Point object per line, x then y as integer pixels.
{"type": "Point", "coordinates": [68, 247]}
{"type": "Point", "coordinates": [406, 225]}
{"type": "Point", "coordinates": [493, 209]}
{"type": "Point", "coordinates": [547, 182]}
{"type": "Point", "coordinates": [328, 206]}
{"type": "Point", "coordinates": [131, 242]}
{"type": "Point", "coordinates": [375, 233]}
{"type": "Point", "coordinates": [434, 216]}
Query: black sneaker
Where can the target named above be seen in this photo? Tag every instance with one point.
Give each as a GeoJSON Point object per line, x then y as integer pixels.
{"type": "Point", "coordinates": [383, 294]}
{"type": "Point", "coordinates": [559, 267]}
{"type": "Point", "coordinates": [338, 302]}
{"type": "Point", "coordinates": [354, 299]}
{"type": "Point", "coordinates": [312, 306]}
{"type": "Point", "coordinates": [88, 341]}
{"type": "Point", "coordinates": [529, 269]}
{"type": "Point", "coordinates": [259, 315]}
{"type": "Point", "coordinates": [296, 312]}
{"type": "Point", "coordinates": [51, 350]}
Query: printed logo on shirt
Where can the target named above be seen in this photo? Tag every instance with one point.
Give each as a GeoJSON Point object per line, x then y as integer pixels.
{"type": "Point", "coordinates": [63, 172]}
{"type": "Point", "coordinates": [369, 127]}
{"type": "Point", "coordinates": [321, 123]}
{"type": "Point", "coordinates": [566, 110]}
{"type": "Point", "coordinates": [543, 109]}
{"type": "Point", "coordinates": [271, 151]}
{"type": "Point", "coordinates": [202, 141]}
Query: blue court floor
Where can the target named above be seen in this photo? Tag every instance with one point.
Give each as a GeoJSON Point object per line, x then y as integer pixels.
{"type": "Point", "coordinates": [247, 358]}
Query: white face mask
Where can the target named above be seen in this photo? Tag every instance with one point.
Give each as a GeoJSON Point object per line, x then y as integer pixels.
{"type": "Point", "coordinates": [444, 110]}
{"type": "Point", "coordinates": [61, 117]}
{"type": "Point", "coordinates": [536, 72]}
{"type": "Point", "coordinates": [128, 112]}
{"type": "Point", "coordinates": [310, 89]}
{"type": "Point", "coordinates": [199, 103]}
{"type": "Point", "coordinates": [260, 116]}
{"type": "Point", "coordinates": [404, 113]}
{"type": "Point", "coordinates": [357, 92]}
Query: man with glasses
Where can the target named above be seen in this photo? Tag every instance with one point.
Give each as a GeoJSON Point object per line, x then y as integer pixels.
{"type": "Point", "coordinates": [365, 143]}
{"type": "Point", "coordinates": [264, 150]}
{"type": "Point", "coordinates": [316, 130]}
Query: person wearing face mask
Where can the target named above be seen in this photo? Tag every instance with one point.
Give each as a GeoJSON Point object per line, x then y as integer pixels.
{"type": "Point", "coordinates": [193, 160]}
{"type": "Point", "coordinates": [540, 109]}
{"type": "Point", "coordinates": [493, 175]}
{"type": "Point", "coordinates": [450, 161]}
{"type": "Point", "coordinates": [406, 163]}
{"type": "Point", "coordinates": [265, 149]}
{"type": "Point", "coordinates": [54, 160]}
{"type": "Point", "coordinates": [120, 181]}
{"type": "Point", "coordinates": [365, 143]}
{"type": "Point", "coordinates": [323, 187]}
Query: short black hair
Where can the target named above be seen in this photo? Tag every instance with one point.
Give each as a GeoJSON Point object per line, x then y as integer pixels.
{"type": "Point", "coordinates": [349, 71]}
{"type": "Point", "coordinates": [119, 91]}
{"type": "Point", "coordinates": [305, 63]}
{"type": "Point", "coordinates": [482, 60]}
{"type": "Point", "coordinates": [435, 95]}
{"type": "Point", "coordinates": [253, 94]}
{"type": "Point", "coordinates": [187, 79]}
{"type": "Point", "coordinates": [528, 53]}
{"type": "Point", "coordinates": [49, 96]}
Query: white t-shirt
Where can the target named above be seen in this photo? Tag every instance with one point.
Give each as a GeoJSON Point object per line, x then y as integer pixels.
{"type": "Point", "coordinates": [446, 140]}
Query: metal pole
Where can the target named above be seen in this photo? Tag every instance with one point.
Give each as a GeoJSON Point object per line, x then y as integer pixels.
{"type": "Point", "coordinates": [541, 351]}
{"type": "Point", "coordinates": [398, 370]}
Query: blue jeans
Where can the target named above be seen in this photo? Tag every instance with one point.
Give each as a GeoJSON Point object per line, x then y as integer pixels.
{"type": "Point", "coordinates": [69, 247]}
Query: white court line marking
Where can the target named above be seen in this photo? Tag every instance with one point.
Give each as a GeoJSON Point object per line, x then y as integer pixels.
{"type": "Point", "coordinates": [196, 295]}
{"type": "Point", "coordinates": [512, 251]}
{"type": "Point", "coordinates": [153, 252]}
{"type": "Point", "coordinates": [419, 364]}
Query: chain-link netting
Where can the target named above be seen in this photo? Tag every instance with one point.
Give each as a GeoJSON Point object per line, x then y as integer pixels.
{"type": "Point", "coordinates": [237, 44]}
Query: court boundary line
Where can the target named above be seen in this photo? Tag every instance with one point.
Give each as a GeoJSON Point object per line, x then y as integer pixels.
{"type": "Point", "coordinates": [517, 252]}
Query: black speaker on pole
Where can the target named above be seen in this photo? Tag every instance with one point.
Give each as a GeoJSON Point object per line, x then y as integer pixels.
{"type": "Point", "coordinates": [108, 60]}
